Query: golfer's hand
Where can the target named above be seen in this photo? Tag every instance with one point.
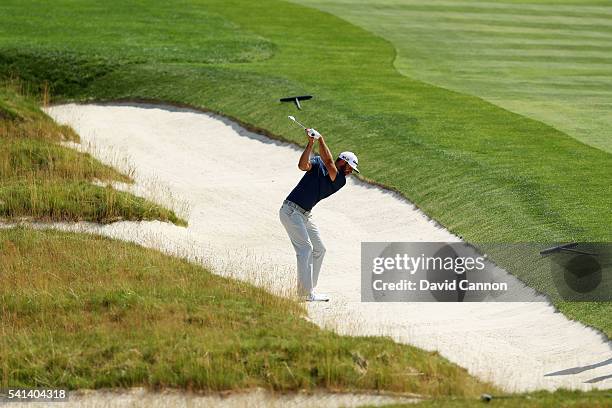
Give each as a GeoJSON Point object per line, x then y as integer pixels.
{"type": "Point", "coordinates": [313, 134]}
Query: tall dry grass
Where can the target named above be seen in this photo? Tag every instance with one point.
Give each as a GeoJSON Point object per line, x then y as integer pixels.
{"type": "Point", "coordinates": [42, 179]}
{"type": "Point", "coordinates": [82, 311]}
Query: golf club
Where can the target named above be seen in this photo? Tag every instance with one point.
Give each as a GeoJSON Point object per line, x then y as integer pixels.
{"type": "Point", "coordinates": [564, 248]}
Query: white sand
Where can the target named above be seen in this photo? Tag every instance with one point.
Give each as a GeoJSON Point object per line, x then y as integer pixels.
{"type": "Point", "coordinates": [234, 182]}
{"type": "Point", "coordinates": [258, 398]}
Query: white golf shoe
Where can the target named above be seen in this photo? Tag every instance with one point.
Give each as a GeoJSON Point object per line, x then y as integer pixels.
{"type": "Point", "coordinates": [317, 297]}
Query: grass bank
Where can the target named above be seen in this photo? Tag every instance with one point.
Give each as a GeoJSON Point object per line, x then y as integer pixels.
{"type": "Point", "coordinates": [485, 173]}
{"type": "Point", "coordinates": [41, 179]}
{"type": "Point", "coordinates": [83, 311]}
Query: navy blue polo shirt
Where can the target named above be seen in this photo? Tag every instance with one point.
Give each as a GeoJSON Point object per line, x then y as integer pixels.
{"type": "Point", "coordinates": [315, 185]}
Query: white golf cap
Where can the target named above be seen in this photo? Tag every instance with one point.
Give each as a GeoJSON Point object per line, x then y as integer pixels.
{"type": "Point", "coordinates": [350, 158]}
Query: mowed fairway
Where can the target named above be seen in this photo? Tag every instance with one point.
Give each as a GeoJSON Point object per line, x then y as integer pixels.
{"type": "Point", "coordinates": [548, 60]}
{"type": "Point", "coordinates": [487, 174]}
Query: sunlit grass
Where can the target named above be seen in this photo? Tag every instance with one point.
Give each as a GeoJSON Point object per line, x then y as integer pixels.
{"type": "Point", "coordinates": [546, 60]}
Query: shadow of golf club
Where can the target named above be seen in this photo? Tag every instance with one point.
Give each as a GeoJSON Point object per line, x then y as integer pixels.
{"type": "Point", "coordinates": [578, 370]}
{"type": "Point", "coordinates": [598, 379]}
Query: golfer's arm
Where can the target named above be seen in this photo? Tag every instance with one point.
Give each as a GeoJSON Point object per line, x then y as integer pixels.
{"type": "Point", "coordinates": [304, 163]}
{"type": "Point", "coordinates": [327, 158]}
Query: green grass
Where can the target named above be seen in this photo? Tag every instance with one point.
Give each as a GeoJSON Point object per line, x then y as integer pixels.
{"type": "Point", "coordinates": [83, 311]}
{"type": "Point", "coordinates": [73, 44]}
{"type": "Point", "coordinates": [485, 173]}
{"type": "Point", "coordinates": [130, 32]}
{"type": "Point", "coordinates": [42, 180]}
{"type": "Point", "coordinates": [546, 60]}
{"type": "Point", "coordinates": [540, 399]}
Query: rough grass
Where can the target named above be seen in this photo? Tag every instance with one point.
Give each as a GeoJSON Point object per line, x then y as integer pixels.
{"type": "Point", "coordinates": [540, 399]}
{"type": "Point", "coordinates": [42, 180]}
{"type": "Point", "coordinates": [82, 311]}
{"type": "Point", "coordinates": [485, 173]}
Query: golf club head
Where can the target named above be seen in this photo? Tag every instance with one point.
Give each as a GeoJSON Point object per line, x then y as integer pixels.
{"type": "Point", "coordinates": [296, 121]}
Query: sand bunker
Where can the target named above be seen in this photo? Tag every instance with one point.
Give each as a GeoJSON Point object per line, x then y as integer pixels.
{"type": "Point", "coordinates": [234, 182]}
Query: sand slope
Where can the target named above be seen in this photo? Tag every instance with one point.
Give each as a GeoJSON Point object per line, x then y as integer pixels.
{"type": "Point", "coordinates": [257, 398]}
{"type": "Point", "coordinates": [234, 182]}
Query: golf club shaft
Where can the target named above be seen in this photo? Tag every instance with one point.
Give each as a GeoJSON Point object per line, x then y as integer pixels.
{"type": "Point", "coordinates": [296, 121]}
{"type": "Point", "coordinates": [303, 127]}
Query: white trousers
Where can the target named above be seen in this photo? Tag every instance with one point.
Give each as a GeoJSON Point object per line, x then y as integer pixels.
{"type": "Point", "coordinates": [309, 248]}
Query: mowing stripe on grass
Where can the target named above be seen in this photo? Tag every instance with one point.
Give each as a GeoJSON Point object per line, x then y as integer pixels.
{"type": "Point", "coordinates": [505, 52]}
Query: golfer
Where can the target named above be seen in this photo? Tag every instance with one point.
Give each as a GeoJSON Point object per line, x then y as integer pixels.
{"type": "Point", "coordinates": [324, 176]}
